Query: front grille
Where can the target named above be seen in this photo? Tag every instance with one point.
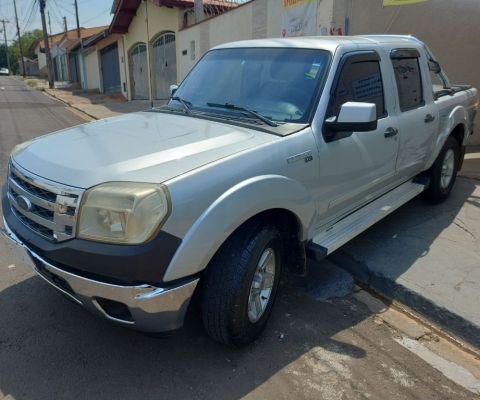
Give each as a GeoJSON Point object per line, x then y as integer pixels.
{"type": "Point", "coordinates": [41, 230]}
{"type": "Point", "coordinates": [46, 208]}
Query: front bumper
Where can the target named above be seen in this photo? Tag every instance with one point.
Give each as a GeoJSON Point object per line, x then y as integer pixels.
{"type": "Point", "coordinates": [141, 307]}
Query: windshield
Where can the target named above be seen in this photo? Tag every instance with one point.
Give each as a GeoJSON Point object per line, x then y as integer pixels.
{"type": "Point", "coordinates": [279, 84]}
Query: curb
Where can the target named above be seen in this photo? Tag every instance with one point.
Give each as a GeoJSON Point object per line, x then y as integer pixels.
{"type": "Point", "coordinates": [70, 104]}
{"type": "Point", "coordinates": [444, 318]}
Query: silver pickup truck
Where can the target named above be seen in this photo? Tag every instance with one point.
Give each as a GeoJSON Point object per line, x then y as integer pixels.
{"type": "Point", "coordinates": [269, 152]}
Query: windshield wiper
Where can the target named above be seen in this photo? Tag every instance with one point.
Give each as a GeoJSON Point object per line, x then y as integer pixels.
{"type": "Point", "coordinates": [184, 103]}
{"type": "Point", "coordinates": [240, 108]}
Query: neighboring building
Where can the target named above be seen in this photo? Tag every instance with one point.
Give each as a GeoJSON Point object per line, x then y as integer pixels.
{"type": "Point", "coordinates": [65, 65]}
{"type": "Point", "coordinates": [151, 55]}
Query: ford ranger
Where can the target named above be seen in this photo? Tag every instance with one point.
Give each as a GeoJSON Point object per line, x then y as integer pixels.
{"type": "Point", "coordinates": [269, 152]}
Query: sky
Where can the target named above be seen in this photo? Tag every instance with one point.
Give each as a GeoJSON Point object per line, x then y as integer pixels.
{"type": "Point", "coordinates": [91, 13]}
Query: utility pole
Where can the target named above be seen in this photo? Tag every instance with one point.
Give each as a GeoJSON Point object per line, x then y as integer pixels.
{"type": "Point", "coordinates": [19, 38]}
{"type": "Point", "coordinates": [6, 45]}
{"type": "Point", "coordinates": [47, 47]}
{"type": "Point", "coordinates": [82, 59]}
{"type": "Point", "coordinates": [65, 23]}
{"type": "Point", "coordinates": [78, 22]}
{"type": "Point", "coordinates": [50, 25]}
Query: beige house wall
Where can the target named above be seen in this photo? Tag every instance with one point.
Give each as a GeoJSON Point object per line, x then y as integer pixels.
{"type": "Point", "coordinates": [92, 66]}
{"type": "Point", "coordinates": [450, 28]}
{"type": "Point", "coordinates": [161, 20]}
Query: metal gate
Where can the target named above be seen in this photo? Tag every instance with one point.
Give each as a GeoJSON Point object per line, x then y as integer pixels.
{"type": "Point", "coordinates": [165, 64]}
{"type": "Point", "coordinates": [110, 69]}
{"type": "Point", "coordinates": [138, 59]}
{"type": "Point", "coordinates": [73, 67]}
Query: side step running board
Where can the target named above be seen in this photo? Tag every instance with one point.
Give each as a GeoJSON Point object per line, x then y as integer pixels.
{"type": "Point", "coordinates": [347, 228]}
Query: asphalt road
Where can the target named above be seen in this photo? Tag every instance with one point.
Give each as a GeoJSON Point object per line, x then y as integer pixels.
{"type": "Point", "coordinates": [52, 349]}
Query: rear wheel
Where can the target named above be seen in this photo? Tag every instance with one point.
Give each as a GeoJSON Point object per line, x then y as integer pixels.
{"type": "Point", "coordinates": [241, 284]}
{"type": "Point", "coordinates": [444, 171]}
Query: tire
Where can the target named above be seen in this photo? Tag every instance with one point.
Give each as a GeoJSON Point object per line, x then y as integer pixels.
{"type": "Point", "coordinates": [444, 171]}
{"type": "Point", "coordinates": [230, 292]}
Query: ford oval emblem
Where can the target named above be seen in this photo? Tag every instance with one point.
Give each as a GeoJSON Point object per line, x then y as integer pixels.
{"type": "Point", "coordinates": [24, 203]}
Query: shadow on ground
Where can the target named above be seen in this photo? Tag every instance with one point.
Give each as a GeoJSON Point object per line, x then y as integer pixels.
{"type": "Point", "coordinates": [426, 256]}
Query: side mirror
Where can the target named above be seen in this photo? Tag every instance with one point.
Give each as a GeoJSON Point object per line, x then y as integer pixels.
{"type": "Point", "coordinates": [353, 117]}
{"type": "Point", "coordinates": [434, 67]}
{"type": "Point", "coordinates": [173, 89]}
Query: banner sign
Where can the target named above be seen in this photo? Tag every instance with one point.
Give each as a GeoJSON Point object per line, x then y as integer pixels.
{"type": "Point", "coordinates": [299, 18]}
{"type": "Point", "coordinates": [400, 2]}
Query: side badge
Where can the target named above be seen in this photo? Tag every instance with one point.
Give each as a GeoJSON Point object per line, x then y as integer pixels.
{"type": "Point", "coordinates": [307, 156]}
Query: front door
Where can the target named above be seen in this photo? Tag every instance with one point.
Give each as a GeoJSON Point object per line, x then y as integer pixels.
{"type": "Point", "coordinates": [165, 61]}
{"type": "Point", "coordinates": [355, 166]}
{"type": "Point", "coordinates": [139, 68]}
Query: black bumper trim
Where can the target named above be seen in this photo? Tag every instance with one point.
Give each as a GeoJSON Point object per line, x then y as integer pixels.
{"type": "Point", "coordinates": [145, 263]}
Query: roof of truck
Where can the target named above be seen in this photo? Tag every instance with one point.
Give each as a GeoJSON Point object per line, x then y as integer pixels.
{"type": "Point", "coordinates": [320, 42]}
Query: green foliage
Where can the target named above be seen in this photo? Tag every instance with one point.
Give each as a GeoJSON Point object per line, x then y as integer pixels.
{"type": "Point", "coordinates": [3, 56]}
{"type": "Point", "coordinates": [32, 83]}
{"type": "Point", "coordinates": [14, 49]}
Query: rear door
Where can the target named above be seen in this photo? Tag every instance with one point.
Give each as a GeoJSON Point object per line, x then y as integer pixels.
{"type": "Point", "coordinates": [354, 166]}
{"type": "Point", "coordinates": [415, 109]}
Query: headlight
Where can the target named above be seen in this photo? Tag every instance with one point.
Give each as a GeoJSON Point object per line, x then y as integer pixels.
{"type": "Point", "coordinates": [123, 212]}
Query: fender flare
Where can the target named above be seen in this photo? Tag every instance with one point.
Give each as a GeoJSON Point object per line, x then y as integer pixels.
{"type": "Point", "coordinates": [232, 209]}
{"type": "Point", "coordinates": [458, 116]}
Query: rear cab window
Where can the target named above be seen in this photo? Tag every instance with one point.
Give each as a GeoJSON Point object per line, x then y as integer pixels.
{"type": "Point", "coordinates": [408, 77]}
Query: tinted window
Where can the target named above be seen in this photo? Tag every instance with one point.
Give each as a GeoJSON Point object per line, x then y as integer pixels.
{"type": "Point", "coordinates": [409, 83]}
{"type": "Point", "coordinates": [360, 82]}
{"type": "Point", "coordinates": [279, 83]}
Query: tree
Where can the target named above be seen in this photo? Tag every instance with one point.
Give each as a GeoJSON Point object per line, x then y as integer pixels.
{"type": "Point", "coordinates": [14, 49]}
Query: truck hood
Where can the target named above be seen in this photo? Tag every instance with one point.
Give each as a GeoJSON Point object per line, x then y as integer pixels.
{"type": "Point", "coordinates": [139, 147]}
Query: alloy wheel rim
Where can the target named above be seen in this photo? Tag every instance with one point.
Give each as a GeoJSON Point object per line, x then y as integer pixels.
{"type": "Point", "coordinates": [447, 169]}
{"type": "Point", "coordinates": [262, 285]}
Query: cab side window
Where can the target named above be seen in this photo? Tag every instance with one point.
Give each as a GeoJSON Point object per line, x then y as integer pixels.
{"type": "Point", "coordinates": [360, 82]}
{"type": "Point", "coordinates": [406, 69]}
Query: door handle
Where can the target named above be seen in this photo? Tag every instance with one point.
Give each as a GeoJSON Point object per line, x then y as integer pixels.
{"type": "Point", "coordinates": [429, 118]}
{"type": "Point", "coordinates": [391, 132]}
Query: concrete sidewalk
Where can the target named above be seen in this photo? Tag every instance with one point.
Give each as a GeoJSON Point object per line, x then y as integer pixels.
{"type": "Point", "coordinates": [100, 106]}
{"type": "Point", "coordinates": [427, 256]}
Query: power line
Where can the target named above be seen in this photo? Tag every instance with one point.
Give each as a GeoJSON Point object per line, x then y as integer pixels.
{"type": "Point", "coordinates": [97, 16]}
{"type": "Point", "coordinates": [30, 19]}
{"type": "Point", "coordinates": [55, 15]}
{"type": "Point", "coordinates": [65, 9]}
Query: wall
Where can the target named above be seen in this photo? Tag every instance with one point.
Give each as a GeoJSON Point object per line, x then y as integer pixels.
{"type": "Point", "coordinates": [42, 61]}
{"type": "Point", "coordinates": [253, 20]}
{"type": "Point", "coordinates": [448, 27]}
{"type": "Point", "coordinates": [161, 19]}
{"type": "Point", "coordinates": [92, 67]}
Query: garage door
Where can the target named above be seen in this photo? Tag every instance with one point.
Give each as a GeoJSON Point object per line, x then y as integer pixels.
{"type": "Point", "coordinates": [110, 69]}
{"type": "Point", "coordinates": [165, 62]}
{"type": "Point", "coordinates": [73, 67]}
{"type": "Point", "coordinates": [138, 59]}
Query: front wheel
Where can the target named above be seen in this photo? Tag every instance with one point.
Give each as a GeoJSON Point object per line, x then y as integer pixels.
{"type": "Point", "coordinates": [444, 171]}
{"type": "Point", "coordinates": [241, 284]}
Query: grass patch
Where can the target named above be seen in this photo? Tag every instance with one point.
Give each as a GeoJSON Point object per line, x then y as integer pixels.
{"type": "Point", "coordinates": [32, 83]}
{"type": "Point", "coordinates": [41, 89]}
